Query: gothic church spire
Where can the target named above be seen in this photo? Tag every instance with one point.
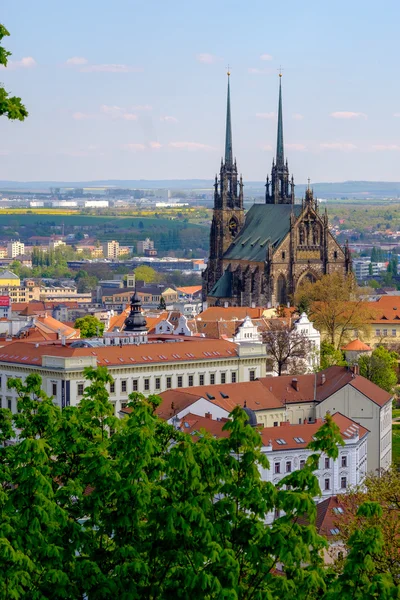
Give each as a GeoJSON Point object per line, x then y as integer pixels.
{"type": "Point", "coordinates": [277, 189]}
{"type": "Point", "coordinates": [280, 158]}
{"type": "Point", "coordinates": [228, 134]}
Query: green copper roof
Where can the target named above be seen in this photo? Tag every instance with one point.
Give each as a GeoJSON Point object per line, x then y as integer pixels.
{"type": "Point", "coordinates": [223, 287]}
{"type": "Point", "coordinates": [228, 135]}
{"type": "Point", "coordinates": [280, 158]}
{"type": "Point", "coordinates": [265, 223]}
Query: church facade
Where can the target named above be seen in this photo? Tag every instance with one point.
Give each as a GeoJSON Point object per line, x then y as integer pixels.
{"type": "Point", "coordinates": [259, 259]}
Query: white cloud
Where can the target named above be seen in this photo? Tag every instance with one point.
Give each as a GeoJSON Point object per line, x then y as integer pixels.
{"type": "Point", "coordinates": [134, 147]}
{"type": "Point", "coordinates": [142, 107]}
{"type": "Point", "coordinates": [110, 68]}
{"type": "Point", "coordinates": [266, 57]}
{"type": "Point", "coordinates": [117, 112]}
{"type": "Point", "coordinates": [190, 146]}
{"type": "Point", "coordinates": [76, 60]}
{"type": "Point", "coordinates": [266, 147]}
{"type": "Point", "coordinates": [341, 146]}
{"type": "Point", "coordinates": [270, 115]}
{"type": "Point", "coordinates": [297, 117]}
{"type": "Point", "coordinates": [396, 115]}
{"type": "Point", "coordinates": [28, 62]}
{"type": "Point", "coordinates": [169, 119]}
{"type": "Point", "coordinates": [206, 58]}
{"type": "Point", "coordinates": [299, 147]}
{"type": "Point", "coordinates": [155, 145]}
{"type": "Point", "coordinates": [383, 147]}
{"type": "Point", "coordinates": [348, 115]}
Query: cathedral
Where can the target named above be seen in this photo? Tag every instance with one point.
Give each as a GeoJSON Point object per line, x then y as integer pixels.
{"type": "Point", "coordinates": [261, 257]}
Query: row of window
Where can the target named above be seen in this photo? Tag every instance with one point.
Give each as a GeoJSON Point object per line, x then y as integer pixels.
{"type": "Point", "coordinates": [384, 332]}
{"type": "Point", "coordinates": [288, 465]}
{"type": "Point", "coordinates": [190, 382]}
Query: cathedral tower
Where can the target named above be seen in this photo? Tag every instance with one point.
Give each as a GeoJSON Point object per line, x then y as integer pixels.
{"type": "Point", "coordinates": [228, 213]}
{"type": "Point", "coordinates": [277, 190]}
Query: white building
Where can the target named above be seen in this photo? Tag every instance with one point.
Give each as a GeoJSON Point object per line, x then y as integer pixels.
{"type": "Point", "coordinates": [304, 327]}
{"type": "Point", "coordinates": [111, 249]}
{"type": "Point", "coordinates": [53, 244]}
{"type": "Point", "coordinates": [285, 448]}
{"type": "Point", "coordinates": [15, 248]}
{"type": "Point", "coordinates": [147, 368]}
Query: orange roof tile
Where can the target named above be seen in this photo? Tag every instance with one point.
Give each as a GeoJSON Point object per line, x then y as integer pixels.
{"type": "Point", "coordinates": [215, 313]}
{"type": "Point", "coordinates": [190, 289]}
{"type": "Point", "coordinates": [226, 396]}
{"type": "Point", "coordinates": [108, 356]}
{"type": "Point", "coordinates": [305, 432]}
{"type": "Point", "coordinates": [357, 345]}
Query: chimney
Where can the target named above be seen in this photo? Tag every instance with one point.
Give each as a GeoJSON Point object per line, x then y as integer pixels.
{"type": "Point", "coordinates": [323, 378]}
{"type": "Point", "coordinates": [284, 423]}
{"type": "Point", "coordinates": [356, 369]}
{"type": "Point", "coordinates": [208, 415]}
{"type": "Point", "coordinates": [226, 304]}
{"type": "Point", "coordinates": [295, 384]}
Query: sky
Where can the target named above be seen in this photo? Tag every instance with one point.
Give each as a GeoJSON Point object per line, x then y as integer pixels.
{"type": "Point", "coordinates": [137, 89]}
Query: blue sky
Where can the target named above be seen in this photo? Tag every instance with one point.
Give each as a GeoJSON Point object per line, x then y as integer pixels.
{"type": "Point", "coordinates": [137, 90]}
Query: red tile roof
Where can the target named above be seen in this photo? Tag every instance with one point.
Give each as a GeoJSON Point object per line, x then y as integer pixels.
{"type": "Point", "coordinates": [215, 313]}
{"type": "Point", "coordinates": [107, 356]}
{"type": "Point", "coordinates": [319, 386]}
{"type": "Point", "coordinates": [193, 424]}
{"type": "Point", "coordinates": [226, 396]}
{"type": "Point", "coordinates": [328, 512]}
{"type": "Point", "coordinates": [190, 289]}
{"type": "Point", "coordinates": [305, 432]}
{"type": "Point", "coordinates": [358, 346]}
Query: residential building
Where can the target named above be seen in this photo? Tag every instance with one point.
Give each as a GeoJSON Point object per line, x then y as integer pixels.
{"type": "Point", "coordinates": [111, 249]}
{"type": "Point", "coordinates": [148, 368]}
{"type": "Point", "coordinates": [15, 248]}
{"type": "Point", "coordinates": [145, 245]}
{"type": "Point", "coordinates": [9, 279]}
{"type": "Point", "coordinates": [297, 400]}
{"type": "Point", "coordinates": [56, 244]}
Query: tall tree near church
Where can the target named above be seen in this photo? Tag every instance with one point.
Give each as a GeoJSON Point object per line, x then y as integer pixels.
{"type": "Point", "coordinates": [336, 307]}
{"type": "Point", "coordinates": [10, 106]}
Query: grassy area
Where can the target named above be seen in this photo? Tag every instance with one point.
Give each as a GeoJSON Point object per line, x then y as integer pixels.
{"type": "Point", "coordinates": [396, 445]}
{"type": "Point", "coordinates": [396, 413]}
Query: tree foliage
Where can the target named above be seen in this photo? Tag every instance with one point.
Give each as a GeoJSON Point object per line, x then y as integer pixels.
{"type": "Point", "coordinates": [148, 513]}
{"type": "Point", "coordinates": [146, 274]}
{"type": "Point", "coordinates": [336, 306]}
{"type": "Point", "coordinates": [385, 490]}
{"type": "Point", "coordinates": [380, 368]}
{"type": "Point", "coordinates": [330, 356]}
{"type": "Point", "coordinates": [10, 106]}
{"type": "Point", "coordinates": [89, 326]}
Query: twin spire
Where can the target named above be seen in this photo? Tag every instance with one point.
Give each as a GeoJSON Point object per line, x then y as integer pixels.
{"type": "Point", "coordinates": [228, 135]}
{"type": "Point", "coordinates": [280, 154]}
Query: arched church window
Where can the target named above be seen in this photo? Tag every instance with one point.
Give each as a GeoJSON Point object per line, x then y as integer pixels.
{"type": "Point", "coordinates": [301, 235]}
{"type": "Point", "coordinates": [233, 227]}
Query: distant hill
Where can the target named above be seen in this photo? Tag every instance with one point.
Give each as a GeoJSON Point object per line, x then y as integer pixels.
{"type": "Point", "coordinates": [345, 189]}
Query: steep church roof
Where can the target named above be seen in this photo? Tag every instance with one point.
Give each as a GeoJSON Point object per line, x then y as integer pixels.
{"type": "Point", "coordinates": [264, 223]}
{"type": "Point", "coordinates": [223, 287]}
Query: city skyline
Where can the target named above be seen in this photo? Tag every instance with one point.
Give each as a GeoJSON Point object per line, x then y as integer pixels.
{"type": "Point", "coordinates": [139, 91]}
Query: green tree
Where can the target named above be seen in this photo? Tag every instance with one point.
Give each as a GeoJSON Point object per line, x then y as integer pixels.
{"type": "Point", "coordinates": [89, 326]}
{"type": "Point", "coordinates": [162, 305]}
{"type": "Point", "coordinates": [146, 274]}
{"type": "Point", "coordinates": [330, 356]}
{"type": "Point", "coordinates": [97, 507]}
{"type": "Point", "coordinates": [10, 106]}
{"type": "Point", "coordinates": [380, 368]}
